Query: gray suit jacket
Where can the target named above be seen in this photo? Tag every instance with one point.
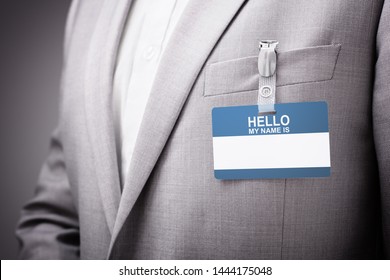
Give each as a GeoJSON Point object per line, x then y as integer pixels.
{"type": "Point", "coordinates": [172, 207]}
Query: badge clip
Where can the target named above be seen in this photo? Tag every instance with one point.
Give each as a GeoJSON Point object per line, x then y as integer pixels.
{"type": "Point", "coordinates": [267, 62]}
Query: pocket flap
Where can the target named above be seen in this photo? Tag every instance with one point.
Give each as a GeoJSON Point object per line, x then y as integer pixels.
{"type": "Point", "coordinates": [305, 65]}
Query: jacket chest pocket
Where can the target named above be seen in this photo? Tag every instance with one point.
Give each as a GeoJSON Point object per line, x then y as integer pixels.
{"type": "Point", "coordinates": [307, 65]}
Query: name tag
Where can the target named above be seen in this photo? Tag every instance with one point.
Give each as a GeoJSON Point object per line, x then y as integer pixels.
{"type": "Point", "coordinates": [292, 143]}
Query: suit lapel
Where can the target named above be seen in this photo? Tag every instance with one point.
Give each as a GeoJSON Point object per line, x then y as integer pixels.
{"type": "Point", "coordinates": [197, 32]}
{"type": "Point", "coordinates": [98, 94]}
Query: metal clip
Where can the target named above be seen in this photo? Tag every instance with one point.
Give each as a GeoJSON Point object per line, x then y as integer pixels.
{"type": "Point", "coordinates": [267, 58]}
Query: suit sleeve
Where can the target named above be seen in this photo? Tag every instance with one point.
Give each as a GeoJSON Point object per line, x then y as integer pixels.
{"type": "Point", "coordinates": [48, 227]}
{"type": "Point", "coordinates": [381, 118]}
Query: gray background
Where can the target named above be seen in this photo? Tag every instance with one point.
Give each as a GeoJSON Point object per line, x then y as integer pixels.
{"type": "Point", "coordinates": [31, 35]}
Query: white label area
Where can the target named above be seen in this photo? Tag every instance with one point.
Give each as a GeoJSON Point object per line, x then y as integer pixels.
{"type": "Point", "coordinates": [272, 151]}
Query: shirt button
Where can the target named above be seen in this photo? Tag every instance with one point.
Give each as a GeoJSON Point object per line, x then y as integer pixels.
{"type": "Point", "coordinates": [149, 53]}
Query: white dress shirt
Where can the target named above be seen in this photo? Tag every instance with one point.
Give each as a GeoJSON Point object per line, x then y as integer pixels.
{"type": "Point", "coordinates": [149, 26]}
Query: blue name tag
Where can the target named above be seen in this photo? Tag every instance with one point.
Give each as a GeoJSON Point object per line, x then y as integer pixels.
{"type": "Point", "coordinates": [292, 143]}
